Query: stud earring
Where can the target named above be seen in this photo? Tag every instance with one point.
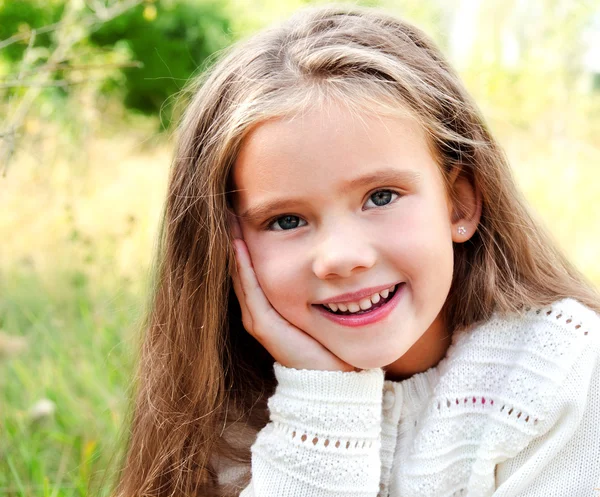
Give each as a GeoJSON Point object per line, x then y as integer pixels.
{"type": "Point", "coordinates": [462, 230]}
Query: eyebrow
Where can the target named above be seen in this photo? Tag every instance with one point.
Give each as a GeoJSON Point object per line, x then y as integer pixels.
{"type": "Point", "coordinates": [261, 210]}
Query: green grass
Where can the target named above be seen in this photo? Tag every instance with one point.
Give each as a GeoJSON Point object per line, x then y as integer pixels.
{"type": "Point", "coordinates": [77, 239]}
{"type": "Point", "coordinates": [79, 355]}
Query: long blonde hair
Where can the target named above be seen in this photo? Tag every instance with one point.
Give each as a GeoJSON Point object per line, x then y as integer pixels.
{"type": "Point", "coordinates": [200, 374]}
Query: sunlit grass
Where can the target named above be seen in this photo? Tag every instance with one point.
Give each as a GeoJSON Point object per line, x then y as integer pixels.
{"type": "Point", "coordinates": [78, 358]}
{"type": "Point", "coordinates": [74, 274]}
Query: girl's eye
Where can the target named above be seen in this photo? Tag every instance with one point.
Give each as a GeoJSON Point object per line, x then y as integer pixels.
{"type": "Point", "coordinates": [382, 197]}
{"type": "Point", "coordinates": [284, 223]}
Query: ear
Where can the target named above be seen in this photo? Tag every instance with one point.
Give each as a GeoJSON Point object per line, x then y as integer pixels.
{"type": "Point", "coordinates": [465, 206]}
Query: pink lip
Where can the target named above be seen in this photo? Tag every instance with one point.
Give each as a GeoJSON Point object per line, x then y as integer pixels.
{"type": "Point", "coordinates": [355, 296]}
{"type": "Point", "coordinates": [355, 320]}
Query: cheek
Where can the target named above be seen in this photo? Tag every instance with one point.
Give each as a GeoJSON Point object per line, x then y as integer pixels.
{"type": "Point", "coordinates": [421, 254]}
{"type": "Point", "coordinates": [279, 273]}
{"type": "Point", "coordinates": [419, 229]}
{"type": "Point", "coordinates": [421, 245]}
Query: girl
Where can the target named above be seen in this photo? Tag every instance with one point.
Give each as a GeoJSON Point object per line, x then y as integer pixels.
{"type": "Point", "coordinates": [393, 321]}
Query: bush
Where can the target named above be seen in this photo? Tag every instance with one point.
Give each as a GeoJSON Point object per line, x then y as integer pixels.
{"type": "Point", "coordinates": [171, 40]}
{"type": "Point", "coordinates": [21, 15]}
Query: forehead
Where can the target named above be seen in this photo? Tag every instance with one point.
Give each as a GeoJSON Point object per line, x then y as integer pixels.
{"type": "Point", "coordinates": [324, 148]}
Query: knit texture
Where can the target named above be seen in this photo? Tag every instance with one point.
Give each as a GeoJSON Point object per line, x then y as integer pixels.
{"type": "Point", "coordinates": [513, 409]}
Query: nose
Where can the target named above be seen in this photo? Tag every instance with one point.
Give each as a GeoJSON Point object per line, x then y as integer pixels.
{"type": "Point", "coordinates": [341, 252]}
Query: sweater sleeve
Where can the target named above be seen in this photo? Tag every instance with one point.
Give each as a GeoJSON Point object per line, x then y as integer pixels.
{"type": "Point", "coordinates": [323, 438]}
{"type": "Point", "coordinates": [565, 460]}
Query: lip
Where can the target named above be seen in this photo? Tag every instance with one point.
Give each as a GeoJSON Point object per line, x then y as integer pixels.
{"type": "Point", "coordinates": [355, 296]}
{"type": "Point", "coordinates": [356, 320]}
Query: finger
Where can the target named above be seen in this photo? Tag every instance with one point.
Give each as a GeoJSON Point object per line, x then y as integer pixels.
{"type": "Point", "coordinates": [234, 225]}
{"type": "Point", "coordinates": [236, 232]}
{"type": "Point", "coordinates": [286, 343]}
{"type": "Point", "coordinates": [239, 292]}
{"type": "Point", "coordinates": [256, 301]}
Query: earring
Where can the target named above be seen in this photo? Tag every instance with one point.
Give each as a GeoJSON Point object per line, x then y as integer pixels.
{"type": "Point", "coordinates": [462, 230]}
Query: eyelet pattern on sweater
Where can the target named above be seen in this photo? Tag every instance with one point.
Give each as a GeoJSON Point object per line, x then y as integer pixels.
{"type": "Point", "coordinates": [461, 428]}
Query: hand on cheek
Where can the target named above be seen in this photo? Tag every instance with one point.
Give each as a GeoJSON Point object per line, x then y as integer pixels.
{"type": "Point", "coordinates": [288, 345]}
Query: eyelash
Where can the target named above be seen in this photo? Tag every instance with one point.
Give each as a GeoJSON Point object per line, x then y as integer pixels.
{"type": "Point", "coordinates": [271, 221]}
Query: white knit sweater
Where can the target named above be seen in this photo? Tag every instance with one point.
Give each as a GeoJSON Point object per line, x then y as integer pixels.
{"type": "Point", "coordinates": [512, 410]}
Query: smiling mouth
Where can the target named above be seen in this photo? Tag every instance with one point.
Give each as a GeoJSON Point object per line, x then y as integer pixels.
{"type": "Point", "coordinates": [379, 304]}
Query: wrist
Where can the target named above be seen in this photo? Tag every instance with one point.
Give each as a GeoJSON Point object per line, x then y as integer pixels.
{"type": "Point", "coordinates": [328, 402]}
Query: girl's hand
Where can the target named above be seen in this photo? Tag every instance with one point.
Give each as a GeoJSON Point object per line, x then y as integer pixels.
{"type": "Point", "coordinates": [288, 345]}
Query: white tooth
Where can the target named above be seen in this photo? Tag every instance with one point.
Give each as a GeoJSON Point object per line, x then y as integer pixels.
{"type": "Point", "coordinates": [333, 307]}
{"type": "Point", "coordinates": [365, 304]}
{"type": "Point", "coordinates": [342, 307]}
{"type": "Point", "coordinates": [385, 293]}
{"type": "Point", "coordinates": [375, 298]}
{"type": "Point", "coordinates": [391, 289]}
{"type": "Point", "coordinates": [352, 307]}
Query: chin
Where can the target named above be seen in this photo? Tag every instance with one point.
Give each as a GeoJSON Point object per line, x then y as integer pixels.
{"type": "Point", "coordinates": [371, 363]}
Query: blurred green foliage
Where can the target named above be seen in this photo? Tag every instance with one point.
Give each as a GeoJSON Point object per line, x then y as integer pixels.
{"type": "Point", "coordinates": [18, 16]}
{"type": "Point", "coordinates": [171, 40]}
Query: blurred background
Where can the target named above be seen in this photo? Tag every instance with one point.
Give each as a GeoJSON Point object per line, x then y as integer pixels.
{"type": "Point", "coordinates": [88, 102]}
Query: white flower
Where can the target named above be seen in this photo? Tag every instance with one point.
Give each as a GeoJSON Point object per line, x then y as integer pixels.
{"type": "Point", "coordinates": [43, 408]}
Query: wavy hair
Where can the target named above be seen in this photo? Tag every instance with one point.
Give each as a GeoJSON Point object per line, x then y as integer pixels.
{"type": "Point", "coordinates": [202, 381]}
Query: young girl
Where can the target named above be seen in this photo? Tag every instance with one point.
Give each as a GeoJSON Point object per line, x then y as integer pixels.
{"type": "Point", "coordinates": [352, 297]}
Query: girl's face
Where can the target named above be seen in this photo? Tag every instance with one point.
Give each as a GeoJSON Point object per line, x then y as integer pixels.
{"type": "Point", "coordinates": [334, 203]}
